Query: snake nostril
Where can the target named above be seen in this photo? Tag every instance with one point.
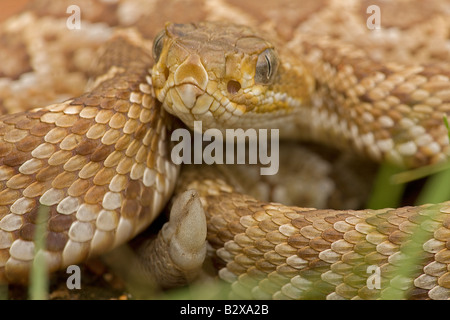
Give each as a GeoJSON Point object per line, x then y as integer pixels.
{"type": "Point", "coordinates": [233, 86]}
{"type": "Point", "coordinates": [166, 73]}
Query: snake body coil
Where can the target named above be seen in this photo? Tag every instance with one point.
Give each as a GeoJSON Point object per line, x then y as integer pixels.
{"type": "Point", "coordinates": [100, 165]}
{"type": "Point", "coordinates": [98, 162]}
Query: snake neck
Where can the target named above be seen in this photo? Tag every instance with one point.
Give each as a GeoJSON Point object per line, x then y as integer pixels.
{"type": "Point", "coordinates": [318, 89]}
{"type": "Point", "coordinates": [374, 108]}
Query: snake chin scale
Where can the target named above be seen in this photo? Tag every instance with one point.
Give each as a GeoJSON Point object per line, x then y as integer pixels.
{"type": "Point", "coordinates": [186, 231]}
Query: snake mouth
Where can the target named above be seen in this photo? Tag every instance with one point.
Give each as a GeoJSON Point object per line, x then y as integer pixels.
{"type": "Point", "coordinates": [187, 98]}
{"type": "Point", "coordinates": [185, 89]}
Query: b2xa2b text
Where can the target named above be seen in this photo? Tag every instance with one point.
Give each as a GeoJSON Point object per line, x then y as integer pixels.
{"type": "Point", "coordinates": [246, 309]}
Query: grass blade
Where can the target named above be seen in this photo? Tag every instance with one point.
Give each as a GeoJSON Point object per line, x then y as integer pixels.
{"type": "Point", "coordinates": [386, 193]}
{"type": "Point", "coordinates": [39, 281]}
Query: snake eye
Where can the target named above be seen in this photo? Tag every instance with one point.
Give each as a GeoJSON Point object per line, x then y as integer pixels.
{"type": "Point", "coordinates": [158, 44]}
{"type": "Point", "coordinates": [266, 67]}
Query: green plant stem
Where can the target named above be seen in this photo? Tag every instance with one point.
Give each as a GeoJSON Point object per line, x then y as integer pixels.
{"type": "Point", "coordinates": [385, 193]}
{"type": "Point", "coordinates": [436, 189]}
{"type": "Point", "coordinates": [39, 281]}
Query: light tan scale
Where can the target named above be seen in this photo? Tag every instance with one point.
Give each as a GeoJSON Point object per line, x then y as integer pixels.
{"type": "Point", "coordinates": [98, 164]}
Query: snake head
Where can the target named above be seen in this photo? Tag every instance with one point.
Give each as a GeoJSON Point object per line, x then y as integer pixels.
{"type": "Point", "coordinates": [226, 76]}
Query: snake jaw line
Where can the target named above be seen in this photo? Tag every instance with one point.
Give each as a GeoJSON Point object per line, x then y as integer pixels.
{"type": "Point", "coordinates": [227, 86]}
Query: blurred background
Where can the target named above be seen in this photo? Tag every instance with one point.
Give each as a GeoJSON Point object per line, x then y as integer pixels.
{"type": "Point", "coordinates": [10, 7]}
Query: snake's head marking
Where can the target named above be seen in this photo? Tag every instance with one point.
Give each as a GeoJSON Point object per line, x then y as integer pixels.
{"type": "Point", "coordinates": [225, 75]}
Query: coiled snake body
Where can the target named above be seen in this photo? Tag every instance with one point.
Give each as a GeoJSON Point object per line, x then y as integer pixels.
{"type": "Point", "coordinates": [101, 164]}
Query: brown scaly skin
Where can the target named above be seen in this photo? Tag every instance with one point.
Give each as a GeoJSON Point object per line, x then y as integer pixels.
{"type": "Point", "coordinates": [272, 251]}
{"type": "Point", "coordinates": [275, 251]}
{"type": "Point", "coordinates": [333, 94]}
{"type": "Point", "coordinates": [439, 272]}
{"type": "Point", "coordinates": [98, 163]}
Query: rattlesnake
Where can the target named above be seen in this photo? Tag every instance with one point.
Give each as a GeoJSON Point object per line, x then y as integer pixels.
{"type": "Point", "coordinates": [100, 161]}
